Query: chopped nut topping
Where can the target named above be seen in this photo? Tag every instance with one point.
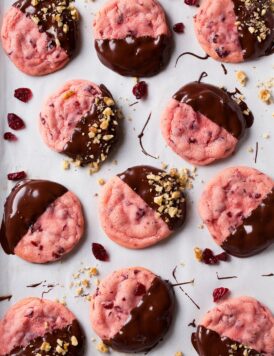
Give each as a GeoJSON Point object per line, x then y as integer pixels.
{"type": "Point", "coordinates": [102, 347]}
{"type": "Point", "coordinates": [45, 346]}
{"type": "Point", "coordinates": [74, 341]}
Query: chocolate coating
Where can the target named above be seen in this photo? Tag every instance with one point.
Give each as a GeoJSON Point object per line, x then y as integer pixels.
{"type": "Point", "coordinates": [90, 149]}
{"type": "Point", "coordinates": [149, 321]}
{"type": "Point", "coordinates": [209, 343]}
{"type": "Point", "coordinates": [65, 334]}
{"type": "Point", "coordinates": [137, 179]}
{"type": "Point", "coordinates": [217, 105]}
{"type": "Point", "coordinates": [250, 15]}
{"type": "Point", "coordinates": [135, 56]}
{"type": "Point", "coordinates": [47, 22]}
{"type": "Point", "coordinates": [256, 233]}
{"type": "Point", "coordinates": [27, 201]}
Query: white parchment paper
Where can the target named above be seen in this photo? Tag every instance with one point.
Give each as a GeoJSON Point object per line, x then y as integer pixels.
{"type": "Point", "coordinates": [30, 154]}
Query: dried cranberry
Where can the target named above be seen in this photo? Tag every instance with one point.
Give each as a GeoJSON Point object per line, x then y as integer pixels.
{"type": "Point", "coordinates": [208, 257]}
{"type": "Point", "coordinates": [23, 94]}
{"type": "Point", "coordinates": [140, 289]}
{"type": "Point", "coordinates": [15, 122]}
{"type": "Point", "coordinates": [9, 136]}
{"type": "Point", "coordinates": [219, 293]}
{"type": "Point", "coordinates": [191, 2]}
{"type": "Point", "coordinates": [108, 305]}
{"type": "Point", "coordinates": [179, 27]}
{"type": "Point", "coordinates": [17, 175]}
{"type": "Point", "coordinates": [140, 90]}
{"type": "Point", "coordinates": [99, 252]}
{"type": "Point", "coordinates": [222, 256]}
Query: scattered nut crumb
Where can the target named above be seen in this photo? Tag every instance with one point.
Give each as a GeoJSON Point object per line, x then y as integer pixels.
{"type": "Point", "coordinates": [102, 347]}
{"type": "Point", "coordinates": [241, 77]}
{"type": "Point", "coordinates": [66, 165]}
{"type": "Point", "coordinates": [265, 96]}
{"type": "Point", "coordinates": [198, 254]}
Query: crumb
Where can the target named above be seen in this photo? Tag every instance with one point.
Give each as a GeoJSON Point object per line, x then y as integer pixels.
{"type": "Point", "coordinates": [266, 135]}
{"type": "Point", "coordinates": [179, 353]}
{"type": "Point", "coordinates": [66, 165]}
{"type": "Point", "coordinates": [102, 347]}
{"type": "Point", "coordinates": [198, 254]}
{"type": "Point", "coordinates": [241, 77]}
{"type": "Point", "coordinates": [265, 96]}
{"type": "Point", "coordinates": [101, 181]}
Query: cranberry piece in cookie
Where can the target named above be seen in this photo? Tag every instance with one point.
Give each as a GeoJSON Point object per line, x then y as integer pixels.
{"type": "Point", "coordinates": [132, 309]}
{"type": "Point", "coordinates": [42, 221]}
{"type": "Point", "coordinates": [237, 206]}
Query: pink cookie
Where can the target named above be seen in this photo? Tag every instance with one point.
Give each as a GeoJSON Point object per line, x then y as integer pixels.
{"type": "Point", "coordinates": [240, 326]}
{"type": "Point", "coordinates": [203, 123]}
{"type": "Point", "coordinates": [142, 206]}
{"type": "Point", "coordinates": [132, 37]}
{"type": "Point", "coordinates": [132, 309]}
{"type": "Point", "coordinates": [35, 41]}
{"type": "Point", "coordinates": [238, 208]}
{"type": "Point", "coordinates": [42, 221]}
{"type": "Point", "coordinates": [33, 326]}
{"type": "Point", "coordinates": [81, 120]}
{"type": "Point", "coordinates": [223, 29]}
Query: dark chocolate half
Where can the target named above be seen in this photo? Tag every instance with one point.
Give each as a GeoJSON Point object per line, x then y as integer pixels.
{"type": "Point", "coordinates": [27, 201]}
{"type": "Point", "coordinates": [72, 334]}
{"type": "Point", "coordinates": [96, 133]}
{"type": "Point", "coordinates": [209, 343]}
{"type": "Point", "coordinates": [255, 22]}
{"type": "Point", "coordinates": [150, 183]}
{"type": "Point", "coordinates": [256, 232]}
{"type": "Point", "coordinates": [59, 19]}
{"type": "Point", "coordinates": [135, 56]}
{"type": "Point", "coordinates": [217, 105]}
{"type": "Point", "coordinates": [149, 321]}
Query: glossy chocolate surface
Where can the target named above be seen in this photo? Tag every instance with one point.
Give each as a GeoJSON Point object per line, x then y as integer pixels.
{"type": "Point", "coordinates": [53, 21]}
{"type": "Point", "coordinates": [65, 335]}
{"type": "Point", "coordinates": [256, 232]}
{"type": "Point", "coordinates": [149, 321]}
{"type": "Point", "coordinates": [135, 56]}
{"type": "Point", "coordinates": [255, 14]}
{"type": "Point", "coordinates": [88, 149]}
{"type": "Point", "coordinates": [137, 179]}
{"type": "Point", "coordinates": [217, 105]}
{"type": "Point", "coordinates": [27, 201]}
{"type": "Point", "coordinates": [209, 343]}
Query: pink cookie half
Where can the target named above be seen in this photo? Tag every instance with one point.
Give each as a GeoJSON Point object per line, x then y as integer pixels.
{"type": "Point", "coordinates": [132, 37]}
{"type": "Point", "coordinates": [46, 222]}
{"type": "Point", "coordinates": [223, 29]}
{"type": "Point", "coordinates": [33, 321]}
{"type": "Point", "coordinates": [124, 306]}
{"type": "Point", "coordinates": [238, 208]}
{"type": "Point", "coordinates": [34, 44]}
{"type": "Point", "coordinates": [129, 210]}
{"type": "Point", "coordinates": [245, 321]}
{"type": "Point", "coordinates": [203, 123]}
{"type": "Point", "coordinates": [80, 120]}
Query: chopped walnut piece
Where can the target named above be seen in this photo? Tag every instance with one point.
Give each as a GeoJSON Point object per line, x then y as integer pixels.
{"type": "Point", "coordinates": [241, 77]}
{"type": "Point", "coordinates": [74, 341]}
{"type": "Point", "coordinates": [198, 254]}
{"type": "Point", "coordinates": [265, 96]}
{"type": "Point", "coordinates": [102, 347]}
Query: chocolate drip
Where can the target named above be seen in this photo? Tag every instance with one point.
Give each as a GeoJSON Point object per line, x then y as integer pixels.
{"type": "Point", "coordinates": [249, 15]}
{"type": "Point", "coordinates": [5, 297]}
{"type": "Point", "coordinates": [217, 105]}
{"type": "Point", "coordinates": [65, 335]}
{"type": "Point", "coordinates": [88, 149]}
{"type": "Point", "coordinates": [135, 56]}
{"type": "Point", "coordinates": [256, 232]}
{"type": "Point", "coordinates": [209, 343]}
{"type": "Point", "coordinates": [27, 201]}
{"type": "Point", "coordinates": [149, 321]}
{"type": "Point", "coordinates": [66, 36]}
{"type": "Point", "coordinates": [137, 179]}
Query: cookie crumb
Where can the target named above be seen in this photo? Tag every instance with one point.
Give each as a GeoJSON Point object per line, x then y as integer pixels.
{"type": "Point", "coordinates": [265, 96]}
{"type": "Point", "coordinates": [241, 78]}
{"type": "Point", "coordinates": [102, 347]}
{"type": "Point", "coordinates": [101, 181]}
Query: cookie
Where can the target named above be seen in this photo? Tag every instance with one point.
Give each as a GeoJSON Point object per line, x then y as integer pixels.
{"type": "Point", "coordinates": [132, 309]}
{"type": "Point", "coordinates": [36, 326]}
{"type": "Point", "coordinates": [235, 30]}
{"type": "Point", "coordinates": [42, 221]}
{"type": "Point", "coordinates": [237, 207]}
{"type": "Point", "coordinates": [40, 36]}
{"type": "Point", "coordinates": [81, 121]}
{"type": "Point", "coordinates": [240, 326]}
{"type": "Point", "coordinates": [132, 37]}
{"type": "Point", "coordinates": [203, 123]}
{"type": "Point", "coordinates": [142, 206]}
